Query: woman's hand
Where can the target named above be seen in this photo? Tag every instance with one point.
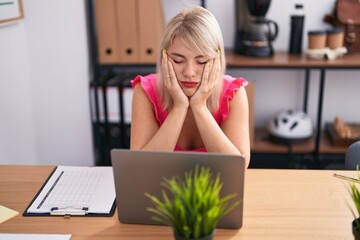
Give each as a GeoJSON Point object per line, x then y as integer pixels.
{"type": "Point", "coordinates": [171, 83]}
{"type": "Point", "coordinates": [208, 81]}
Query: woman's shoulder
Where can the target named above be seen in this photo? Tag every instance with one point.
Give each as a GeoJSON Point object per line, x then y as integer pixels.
{"type": "Point", "coordinates": [234, 83]}
{"type": "Point", "coordinates": [145, 81]}
{"type": "Point", "coordinates": [149, 88]}
{"type": "Point", "coordinates": [231, 86]}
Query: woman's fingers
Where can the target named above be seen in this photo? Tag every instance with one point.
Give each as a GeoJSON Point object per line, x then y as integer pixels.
{"type": "Point", "coordinates": [165, 69]}
{"type": "Point", "coordinates": [172, 75]}
{"type": "Point", "coordinates": [164, 63]}
{"type": "Point", "coordinates": [211, 73]}
{"type": "Point", "coordinates": [215, 71]}
{"type": "Point", "coordinates": [169, 76]}
{"type": "Point", "coordinates": [206, 73]}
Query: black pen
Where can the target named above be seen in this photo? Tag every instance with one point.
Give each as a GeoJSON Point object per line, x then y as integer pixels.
{"type": "Point", "coordinates": [346, 178]}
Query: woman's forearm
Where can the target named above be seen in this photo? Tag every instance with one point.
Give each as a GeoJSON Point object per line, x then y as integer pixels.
{"type": "Point", "coordinates": [212, 135]}
{"type": "Point", "coordinates": [168, 134]}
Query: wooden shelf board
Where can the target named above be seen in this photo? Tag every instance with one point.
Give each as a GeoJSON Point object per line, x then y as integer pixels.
{"type": "Point", "coordinates": [262, 144]}
{"type": "Point", "coordinates": [282, 59]}
{"type": "Point", "coordinates": [328, 148]}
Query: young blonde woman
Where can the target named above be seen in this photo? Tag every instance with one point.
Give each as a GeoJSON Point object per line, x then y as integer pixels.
{"type": "Point", "coordinates": [190, 104]}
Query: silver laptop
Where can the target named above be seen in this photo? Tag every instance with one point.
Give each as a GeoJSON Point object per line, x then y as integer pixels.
{"type": "Point", "coordinates": [137, 172]}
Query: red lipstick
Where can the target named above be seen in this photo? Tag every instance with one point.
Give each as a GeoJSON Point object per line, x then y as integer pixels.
{"type": "Point", "coordinates": [189, 84]}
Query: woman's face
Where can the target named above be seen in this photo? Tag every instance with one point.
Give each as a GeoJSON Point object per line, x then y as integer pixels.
{"type": "Point", "coordinates": [188, 65]}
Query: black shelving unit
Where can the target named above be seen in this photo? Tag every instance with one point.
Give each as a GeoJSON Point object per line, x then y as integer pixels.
{"type": "Point", "coordinates": [108, 135]}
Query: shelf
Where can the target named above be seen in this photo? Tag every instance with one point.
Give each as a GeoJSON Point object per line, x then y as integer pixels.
{"type": "Point", "coordinates": [326, 146]}
{"type": "Point", "coordinates": [282, 59]}
{"type": "Point", "coordinates": [262, 144]}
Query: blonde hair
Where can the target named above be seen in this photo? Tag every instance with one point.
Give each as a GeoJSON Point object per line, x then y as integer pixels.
{"type": "Point", "coordinates": [200, 29]}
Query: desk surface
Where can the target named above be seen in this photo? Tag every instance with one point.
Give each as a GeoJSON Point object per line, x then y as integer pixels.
{"type": "Point", "coordinates": [279, 204]}
{"type": "Point", "coordinates": [285, 60]}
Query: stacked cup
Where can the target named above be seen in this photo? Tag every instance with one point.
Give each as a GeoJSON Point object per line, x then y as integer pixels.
{"type": "Point", "coordinates": [335, 38]}
{"type": "Point", "coordinates": [317, 40]}
{"type": "Point", "coordinates": [326, 44]}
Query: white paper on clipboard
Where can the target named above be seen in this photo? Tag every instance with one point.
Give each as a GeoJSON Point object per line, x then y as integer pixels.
{"type": "Point", "coordinates": [76, 191]}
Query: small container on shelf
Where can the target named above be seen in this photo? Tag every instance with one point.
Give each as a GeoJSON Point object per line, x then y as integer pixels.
{"type": "Point", "coordinates": [335, 38]}
{"type": "Point", "coordinates": [341, 133]}
{"type": "Point", "coordinates": [325, 44]}
{"type": "Point", "coordinates": [317, 39]}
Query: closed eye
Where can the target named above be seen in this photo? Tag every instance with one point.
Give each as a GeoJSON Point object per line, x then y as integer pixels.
{"type": "Point", "coordinates": [199, 61]}
{"type": "Point", "coordinates": [177, 62]}
{"type": "Point", "coordinates": [203, 62]}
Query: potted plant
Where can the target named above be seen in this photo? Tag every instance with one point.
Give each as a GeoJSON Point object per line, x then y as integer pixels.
{"type": "Point", "coordinates": [355, 195]}
{"type": "Point", "coordinates": [194, 207]}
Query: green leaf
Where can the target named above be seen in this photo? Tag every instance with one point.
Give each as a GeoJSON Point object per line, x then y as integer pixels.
{"type": "Point", "coordinates": [194, 207]}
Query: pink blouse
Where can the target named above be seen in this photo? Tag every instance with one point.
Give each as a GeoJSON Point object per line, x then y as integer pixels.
{"type": "Point", "coordinates": [231, 84]}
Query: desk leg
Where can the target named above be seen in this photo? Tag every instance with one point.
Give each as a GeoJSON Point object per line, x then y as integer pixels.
{"type": "Point", "coordinates": [203, 3]}
{"type": "Point", "coordinates": [319, 114]}
{"type": "Point", "coordinates": [96, 125]}
{"type": "Point", "coordinates": [306, 90]}
{"type": "Point", "coordinates": [106, 151]}
{"type": "Point", "coordinates": [122, 114]}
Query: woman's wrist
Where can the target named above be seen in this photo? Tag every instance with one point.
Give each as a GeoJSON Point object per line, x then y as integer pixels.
{"type": "Point", "coordinates": [199, 108]}
{"type": "Point", "coordinates": [180, 107]}
{"type": "Point", "coordinates": [197, 104]}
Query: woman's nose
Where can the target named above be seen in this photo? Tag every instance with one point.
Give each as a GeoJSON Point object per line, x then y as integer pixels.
{"type": "Point", "coordinates": [190, 70]}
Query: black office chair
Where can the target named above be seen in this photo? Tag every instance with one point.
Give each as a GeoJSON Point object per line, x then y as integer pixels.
{"type": "Point", "coordinates": [352, 157]}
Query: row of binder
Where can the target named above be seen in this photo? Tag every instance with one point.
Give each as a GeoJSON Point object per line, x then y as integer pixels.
{"type": "Point", "coordinates": [113, 104]}
{"type": "Point", "coordinates": [111, 99]}
{"type": "Point", "coordinates": [128, 31]}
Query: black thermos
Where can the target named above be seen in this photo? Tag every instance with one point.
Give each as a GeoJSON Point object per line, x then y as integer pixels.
{"type": "Point", "coordinates": [297, 26]}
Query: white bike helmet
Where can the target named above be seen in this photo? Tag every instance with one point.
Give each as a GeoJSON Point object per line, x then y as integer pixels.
{"type": "Point", "coordinates": [290, 126]}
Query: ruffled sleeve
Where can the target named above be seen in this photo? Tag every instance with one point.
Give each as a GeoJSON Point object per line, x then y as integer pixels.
{"type": "Point", "coordinates": [231, 85]}
{"type": "Point", "coordinates": [148, 83]}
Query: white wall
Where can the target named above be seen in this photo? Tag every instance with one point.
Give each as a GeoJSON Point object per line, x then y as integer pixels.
{"type": "Point", "coordinates": [44, 75]}
{"type": "Point", "coordinates": [44, 107]}
{"type": "Point", "coordinates": [17, 132]}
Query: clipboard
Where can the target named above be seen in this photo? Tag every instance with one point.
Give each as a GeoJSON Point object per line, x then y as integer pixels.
{"type": "Point", "coordinates": [97, 184]}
